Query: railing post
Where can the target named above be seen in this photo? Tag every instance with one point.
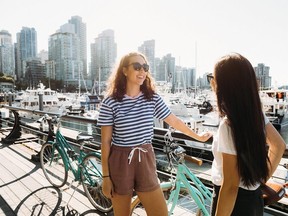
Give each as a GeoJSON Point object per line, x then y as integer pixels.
{"type": "Point", "coordinates": [10, 98]}
{"type": "Point", "coordinates": [16, 130]}
{"type": "Point", "coordinates": [5, 98]}
{"type": "Point", "coordinates": [40, 101]}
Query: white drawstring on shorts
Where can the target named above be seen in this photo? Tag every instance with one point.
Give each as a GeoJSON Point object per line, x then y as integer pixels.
{"type": "Point", "coordinates": [132, 153]}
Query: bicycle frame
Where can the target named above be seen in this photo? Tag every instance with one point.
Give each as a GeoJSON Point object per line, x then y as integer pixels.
{"type": "Point", "coordinates": [198, 191]}
{"type": "Point", "coordinates": [195, 192]}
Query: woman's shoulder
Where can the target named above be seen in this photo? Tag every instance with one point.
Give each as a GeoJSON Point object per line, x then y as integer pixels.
{"type": "Point", "coordinates": [156, 96]}
{"type": "Point", "coordinates": [109, 100]}
{"type": "Point", "coordinates": [224, 124]}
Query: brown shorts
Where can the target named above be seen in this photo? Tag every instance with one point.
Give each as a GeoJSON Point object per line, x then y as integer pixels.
{"type": "Point", "coordinates": [138, 175]}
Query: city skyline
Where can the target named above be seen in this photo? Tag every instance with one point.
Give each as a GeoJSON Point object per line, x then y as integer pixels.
{"type": "Point", "coordinates": [257, 29]}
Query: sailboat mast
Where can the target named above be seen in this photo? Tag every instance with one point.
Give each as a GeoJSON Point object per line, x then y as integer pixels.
{"type": "Point", "coordinates": [195, 69]}
{"type": "Point", "coordinates": [79, 81]}
{"type": "Point", "coordinates": [99, 88]}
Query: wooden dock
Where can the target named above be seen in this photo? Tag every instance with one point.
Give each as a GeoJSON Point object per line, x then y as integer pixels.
{"type": "Point", "coordinates": [24, 189]}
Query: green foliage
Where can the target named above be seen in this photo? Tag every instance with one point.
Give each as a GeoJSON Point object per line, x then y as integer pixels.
{"type": "Point", "coordinates": [20, 85]}
{"type": "Point", "coordinates": [53, 84]}
{"type": "Point", "coordinates": [4, 78]}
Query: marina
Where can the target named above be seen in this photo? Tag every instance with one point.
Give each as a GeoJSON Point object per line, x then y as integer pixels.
{"type": "Point", "coordinates": [25, 147]}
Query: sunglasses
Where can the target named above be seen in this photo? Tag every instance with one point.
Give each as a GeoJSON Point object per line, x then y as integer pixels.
{"type": "Point", "coordinates": [210, 77]}
{"type": "Point", "coordinates": [137, 66]}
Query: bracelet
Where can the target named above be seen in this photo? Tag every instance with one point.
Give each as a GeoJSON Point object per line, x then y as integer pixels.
{"type": "Point", "coordinates": [107, 176]}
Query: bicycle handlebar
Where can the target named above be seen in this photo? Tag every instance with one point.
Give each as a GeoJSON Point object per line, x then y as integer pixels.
{"type": "Point", "coordinates": [172, 147]}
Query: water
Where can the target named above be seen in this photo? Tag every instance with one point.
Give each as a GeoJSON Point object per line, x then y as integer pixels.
{"type": "Point", "coordinates": [90, 129]}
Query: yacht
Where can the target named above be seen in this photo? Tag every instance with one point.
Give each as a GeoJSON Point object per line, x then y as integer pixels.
{"type": "Point", "coordinates": [29, 99]}
{"type": "Point", "coordinates": [275, 106]}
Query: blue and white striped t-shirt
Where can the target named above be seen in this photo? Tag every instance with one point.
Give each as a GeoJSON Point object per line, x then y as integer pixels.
{"type": "Point", "coordinates": [132, 118]}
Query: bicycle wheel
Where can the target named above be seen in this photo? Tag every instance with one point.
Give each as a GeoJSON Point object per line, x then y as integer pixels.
{"type": "Point", "coordinates": [92, 183]}
{"type": "Point", "coordinates": [53, 165]}
{"type": "Point", "coordinates": [185, 204]}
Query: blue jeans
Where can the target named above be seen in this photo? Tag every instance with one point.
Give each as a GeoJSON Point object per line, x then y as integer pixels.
{"type": "Point", "coordinates": [248, 203]}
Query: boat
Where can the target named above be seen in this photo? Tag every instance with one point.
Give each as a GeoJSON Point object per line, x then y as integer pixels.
{"type": "Point", "coordinates": [86, 105]}
{"type": "Point", "coordinates": [198, 113]}
{"type": "Point", "coordinates": [275, 106]}
{"type": "Point", "coordinates": [52, 102]}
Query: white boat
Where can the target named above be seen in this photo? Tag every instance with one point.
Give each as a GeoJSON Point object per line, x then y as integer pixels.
{"type": "Point", "coordinates": [29, 99]}
{"type": "Point", "coordinates": [275, 106]}
{"type": "Point", "coordinates": [191, 111]}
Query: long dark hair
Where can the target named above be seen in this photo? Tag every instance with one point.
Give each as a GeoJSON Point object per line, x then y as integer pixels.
{"type": "Point", "coordinates": [238, 99]}
{"type": "Point", "coordinates": [117, 81]}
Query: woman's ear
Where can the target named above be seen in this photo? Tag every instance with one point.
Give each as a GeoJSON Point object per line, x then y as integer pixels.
{"type": "Point", "coordinates": [125, 71]}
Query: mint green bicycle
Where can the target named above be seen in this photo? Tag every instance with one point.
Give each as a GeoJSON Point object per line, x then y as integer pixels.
{"type": "Point", "coordinates": [183, 196]}
{"type": "Point", "coordinates": [57, 157]}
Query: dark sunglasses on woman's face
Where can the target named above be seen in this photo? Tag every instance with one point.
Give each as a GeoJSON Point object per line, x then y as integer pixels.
{"type": "Point", "coordinates": [210, 77]}
{"type": "Point", "coordinates": [137, 66]}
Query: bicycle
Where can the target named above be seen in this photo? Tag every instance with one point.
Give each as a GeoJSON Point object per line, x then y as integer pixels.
{"type": "Point", "coordinates": [57, 157]}
{"type": "Point", "coordinates": [194, 198]}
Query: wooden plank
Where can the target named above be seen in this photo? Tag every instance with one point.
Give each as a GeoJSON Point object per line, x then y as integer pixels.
{"type": "Point", "coordinates": [24, 187]}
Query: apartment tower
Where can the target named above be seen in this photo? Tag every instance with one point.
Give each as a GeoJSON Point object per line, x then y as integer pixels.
{"type": "Point", "coordinates": [7, 60]}
{"type": "Point", "coordinates": [25, 49]}
{"type": "Point", "coordinates": [103, 57]}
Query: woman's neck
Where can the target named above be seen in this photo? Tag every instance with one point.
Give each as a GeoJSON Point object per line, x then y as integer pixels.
{"type": "Point", "coordinates": [133, 92]}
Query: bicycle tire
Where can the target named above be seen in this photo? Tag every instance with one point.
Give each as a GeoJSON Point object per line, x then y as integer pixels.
{"type": "Point", "coordinates": [53, 165]}
{"type": "Point", "coordinates": [93, 189]}
{"type": "Point", "coordinates": [183, 206]}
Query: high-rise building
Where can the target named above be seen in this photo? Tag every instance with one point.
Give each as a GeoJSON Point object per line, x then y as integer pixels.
{"type": "Point", "coordinates": [262, 74]}
{"type": "Point", "coordinates": [103, 57]}
{"type": "Point", "coordinates": [148, 49]}
{"type": "Point", "coordinates": [35, 72]}
{"type": "Point", "coordinates": [80, 31]}
{"type": "Point", "coordinates": [26, 49]}
{"type": "Point", "coordinates": [188, 77]}
{"type": "Point", "coordinates": [7, 60]}
{"type": "Point", "coordinates": [64, 58]}
{"type": "Point", "coordinates": [165, 69]}
{"type": "Point", "coordinates": [43, 56]}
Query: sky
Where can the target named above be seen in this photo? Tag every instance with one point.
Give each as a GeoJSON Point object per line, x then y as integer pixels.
{"type": "Point", "coordinates": [196, 32]}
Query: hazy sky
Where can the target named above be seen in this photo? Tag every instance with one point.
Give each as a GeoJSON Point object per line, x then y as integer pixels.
{"type": "Point", "coordinates": [257, 29]}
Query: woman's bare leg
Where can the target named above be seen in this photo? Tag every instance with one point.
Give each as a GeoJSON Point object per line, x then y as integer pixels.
{"type": "Point", "coordinates": [154, 202]}
{"type": "Point", "coordinates": [121, 204]}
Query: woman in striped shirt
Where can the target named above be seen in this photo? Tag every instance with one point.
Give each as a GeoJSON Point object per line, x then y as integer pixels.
{"type": "Point", "coordinates": [126, 119]}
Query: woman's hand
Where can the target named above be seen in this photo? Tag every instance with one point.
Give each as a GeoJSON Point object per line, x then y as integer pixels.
{"type": "Point", "coordinates": [203, 137]}
{"type": "Point", "coordinates": [107, 187]}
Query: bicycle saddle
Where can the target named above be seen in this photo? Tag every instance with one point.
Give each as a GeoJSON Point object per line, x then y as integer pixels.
{"type": "Point", "coordinates": [83, 137]}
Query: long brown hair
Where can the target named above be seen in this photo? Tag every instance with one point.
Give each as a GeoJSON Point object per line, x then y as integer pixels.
{"type": "Point", "coordinates": [117, 81]}
{"type": "Point", "coordinates": [238, 99]}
